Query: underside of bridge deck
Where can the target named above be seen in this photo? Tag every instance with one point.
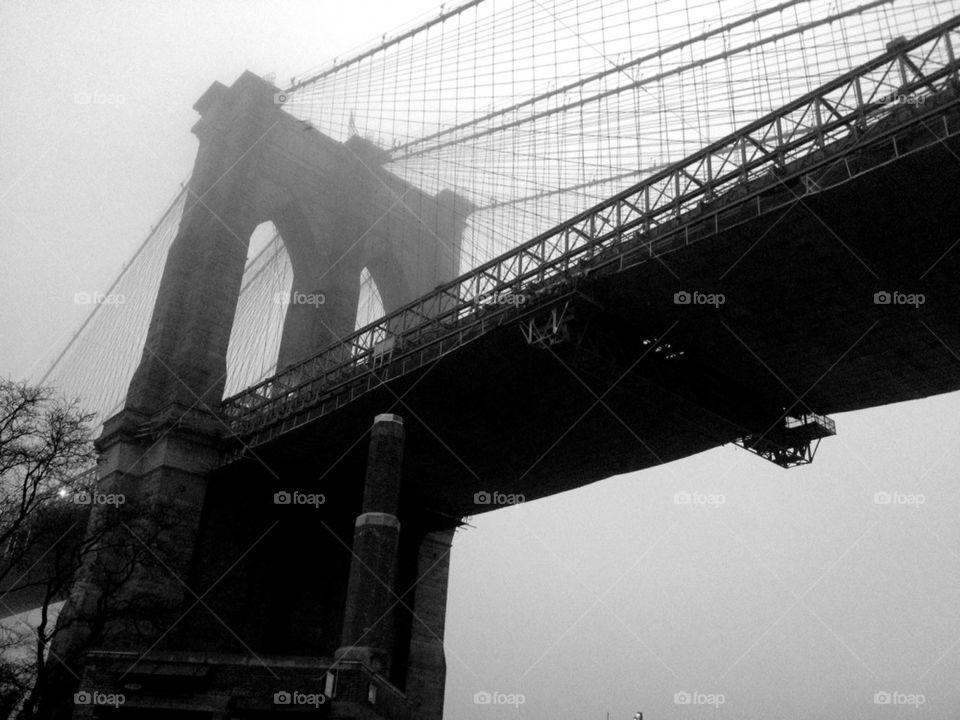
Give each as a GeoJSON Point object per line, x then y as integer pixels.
{"type": "Point", "coordinates": [640, 379]}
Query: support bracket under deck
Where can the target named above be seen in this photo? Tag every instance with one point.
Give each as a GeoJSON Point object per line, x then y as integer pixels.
{"type": "Point", "coordinates": [792, 441]}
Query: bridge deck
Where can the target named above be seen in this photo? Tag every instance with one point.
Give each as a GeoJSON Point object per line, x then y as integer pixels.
{"type": "Point", "coordinates": [802, 147]}
{"type": "Point", "coordinates": [799, 321]}
{"type": "Point", "coordinates": [805, 225]}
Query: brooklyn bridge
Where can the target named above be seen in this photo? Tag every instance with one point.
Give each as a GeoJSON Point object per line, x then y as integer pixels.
{"type": "Point", "coordinates": [508, 242]}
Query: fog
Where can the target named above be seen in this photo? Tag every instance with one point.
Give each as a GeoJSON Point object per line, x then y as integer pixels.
{"type": "Point", "coordinates": [773, 593]}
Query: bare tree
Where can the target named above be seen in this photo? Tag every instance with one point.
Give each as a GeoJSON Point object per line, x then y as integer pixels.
{"type": "Point", "coordinates": [45, 445]}
{"type": "Point", "coordinates": [59, 532]}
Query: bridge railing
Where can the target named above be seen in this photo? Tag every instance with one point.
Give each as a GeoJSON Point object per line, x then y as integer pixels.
{"type": "Point", "coordinates": [839, 114]}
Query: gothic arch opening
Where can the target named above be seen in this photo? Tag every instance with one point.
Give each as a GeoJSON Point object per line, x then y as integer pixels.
{"type": "Point", "coordinates": [370, 306]}
{"type": "Point", "coordinates": [261, 308]}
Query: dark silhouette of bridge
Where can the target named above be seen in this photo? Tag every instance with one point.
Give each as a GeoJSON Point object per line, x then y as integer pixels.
{"type": "Point", "coordinates": [796, 267]}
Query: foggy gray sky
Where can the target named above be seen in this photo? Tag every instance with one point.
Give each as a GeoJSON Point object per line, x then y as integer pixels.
{"type": "Point", "coordinates": [798, 596]}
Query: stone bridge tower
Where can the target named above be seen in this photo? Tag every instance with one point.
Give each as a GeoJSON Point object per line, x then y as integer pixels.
{"type": "Point", "coordinates": [231, 630]}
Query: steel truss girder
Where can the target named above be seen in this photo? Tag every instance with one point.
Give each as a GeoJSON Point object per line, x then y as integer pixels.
{"type": "Point", "coordinates": [450, 311]}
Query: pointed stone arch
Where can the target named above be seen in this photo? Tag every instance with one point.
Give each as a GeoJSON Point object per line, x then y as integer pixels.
{"type": "Point", "coordinates": [370, 306]}
{"type": "Point", "coordinates": [255, 333]}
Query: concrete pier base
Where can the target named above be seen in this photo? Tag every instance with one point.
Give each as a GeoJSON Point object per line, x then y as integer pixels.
{"type": "Point", "coordinates": [426, 662]}
{"type": "Point", "coordinates": [368, 623]}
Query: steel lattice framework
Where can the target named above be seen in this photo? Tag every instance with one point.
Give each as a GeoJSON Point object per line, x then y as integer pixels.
{"type": "Point", "coordinates": [894, 105]}
{"type": "Point", "coordinates": [540, 114]}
